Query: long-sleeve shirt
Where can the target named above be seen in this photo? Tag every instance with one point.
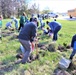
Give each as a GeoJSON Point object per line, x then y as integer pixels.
{"type": "Point", "coordinates": [15, 20]}
{"type": "Point", "coordinates": [73, 40]}
{"type": "Point", "coordinates": [8, 24]}
{"type": "Point", "coordinates": [22, 20]}
{"type": "Point", "coordinates": [53, 25]}
{"type": "Point", "coordinates": [28, 32]}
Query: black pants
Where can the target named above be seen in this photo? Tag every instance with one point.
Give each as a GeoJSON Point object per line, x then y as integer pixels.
{"type": "Point", "coordinates": [21, 25]}
{"type": "Point", "coordinates": [55, 37]}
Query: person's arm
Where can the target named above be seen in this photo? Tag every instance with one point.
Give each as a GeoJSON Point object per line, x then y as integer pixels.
{"type": "Point", "coordinates": [26, 19]}
{"type": "Point", "coordinates": [51, 26]}
{"type": "Point", "coordinates": [34, 34]}
{"type": "Point", "coordinates": [22, 19]}
{"type": "Point", "coordinates": [73, 39]}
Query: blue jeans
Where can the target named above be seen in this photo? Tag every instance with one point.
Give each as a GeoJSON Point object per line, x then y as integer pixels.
{"type": "Point", "coordinates": [42, 25]}
{"type": "Point", "coordinates": [55, 37]}
{"type": "Point", "coordinates": [16, 25]}
{"type": "Point", "coordinates": [73, 53]}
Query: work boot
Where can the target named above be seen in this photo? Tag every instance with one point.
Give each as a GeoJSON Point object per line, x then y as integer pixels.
{"type": "Point", "coordinates": [29, 61]}
{"type": "Point", "coordinates": [71, 58]}
{"type": "Point", "coordinates": [70, 65]}
{"type": "Point", "coordinates": [19, 56]}
{"type": "Point", "coordinates": [18, 61]}
{"type": "Point", "coordinates": [0, 38]}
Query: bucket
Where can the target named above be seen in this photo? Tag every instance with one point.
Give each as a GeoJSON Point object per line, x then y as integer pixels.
{"type": "Point", "coordinates": [64, 63]}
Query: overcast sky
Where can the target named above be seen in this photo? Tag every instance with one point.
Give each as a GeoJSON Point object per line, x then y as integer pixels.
{"type": "Point", "coordinates": [56, 5]}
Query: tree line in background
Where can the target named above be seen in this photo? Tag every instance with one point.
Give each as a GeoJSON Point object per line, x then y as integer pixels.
{"type": "Point", "coordinates": [17, 7]}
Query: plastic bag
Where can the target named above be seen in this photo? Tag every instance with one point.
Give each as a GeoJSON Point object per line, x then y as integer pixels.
{"type": "Point", "coordinates": [64, 63]}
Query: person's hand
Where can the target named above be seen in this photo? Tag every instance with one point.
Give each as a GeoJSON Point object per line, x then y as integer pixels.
{"type": "Point", "coordinates": [36, 39]}
{"type": "Point", "coordinates": [33, 45]}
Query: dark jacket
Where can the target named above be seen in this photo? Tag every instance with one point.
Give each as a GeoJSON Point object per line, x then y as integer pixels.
{"type": "Point", "coordinates": [22, 20]}
{"type": "Point", "coordinates": [53, 25]}
{"type": "Point", "coordinates": [28, 32]}
{"type": "Point", "coordinates": [73, 40]}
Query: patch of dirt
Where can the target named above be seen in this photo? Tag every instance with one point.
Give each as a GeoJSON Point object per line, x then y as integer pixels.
{"type": "Point", "coordinates": [42, 46]}
{"type": "Point", "coordinates": [65, 47]}
{"type": "Point", "coordinates": [39, 34]}
{"type": "Point", "coordinates": [4, 34]}
{"type": "Point", "coordinates": [14, 36]}
{"type": "Point", "coordinates": [61, 48]}
{"type": "Point", "coordinates": [5, 68]}
{"type": "Point", "coordinates": [32, 57]}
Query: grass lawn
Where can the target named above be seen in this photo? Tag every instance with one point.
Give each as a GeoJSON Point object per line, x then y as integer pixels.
{"type": "Point", "coordinates": [45, 65]}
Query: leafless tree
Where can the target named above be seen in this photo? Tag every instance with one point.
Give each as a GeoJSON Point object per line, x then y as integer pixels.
{"type": "Point", "coordinates": [12, 7]}
{"type": "Point", "coordinates": [16, 8]}
{"type": "Point", "coordinates": [34, 9]}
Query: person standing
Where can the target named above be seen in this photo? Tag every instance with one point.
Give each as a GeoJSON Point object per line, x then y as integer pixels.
{"type": "Point", "coordinates": [23, 19]}
{"type": "Point", "coordinates": [42, 24]}
{"type": "Point", "coordinates": [27, 36]}
{"type": "Point", "coordinates": [55, 27]}
{"type": "Point", "coordinates": [1, 21]}
{"type": "Point", "coordinates": [73, 45]}
{"type": "Point", "coordinates": [0, 26]}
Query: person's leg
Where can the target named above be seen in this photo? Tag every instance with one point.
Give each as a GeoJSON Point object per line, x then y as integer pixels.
{"type": "Point", "coordinates": [54, 36]}
{"type": "Point", "coordinates": [20, 27]}
{"type": "Point", "coordinates": [16, 25]}
{"type": "Point", "coordinates": [56, 33]}
{"type": "Point", "coordinates": [27, 46]}
{"type": "Point", "coordinates": [43, 25]}
{"type": "Point", "coordinates": [0, 34]}
{"type": "Point", "coordinates": [25, 58]}
{"type": "Point", "coordinates": [72, 54]}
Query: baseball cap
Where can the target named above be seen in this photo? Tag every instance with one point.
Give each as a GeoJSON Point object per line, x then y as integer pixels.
{"type": "Point", "coordinates": [34, 19]}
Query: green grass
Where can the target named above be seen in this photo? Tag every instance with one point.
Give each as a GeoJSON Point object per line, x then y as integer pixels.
{"type": "Point", "coordinates": [10, 46]}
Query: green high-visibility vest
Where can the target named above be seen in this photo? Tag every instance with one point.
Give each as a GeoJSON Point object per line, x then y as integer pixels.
{"type": "Point", "coordinates": [0, 23]}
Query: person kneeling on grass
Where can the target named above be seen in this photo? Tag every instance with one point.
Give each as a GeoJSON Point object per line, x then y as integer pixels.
{"type": "Point", "coordinates": [73, 45]}
{"type": "Point", "coordinates": [8, 25]}
{"type": "Point", "coordinates": [26, 36]}
{"type": "Point", "coordinates": [47, 31]}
